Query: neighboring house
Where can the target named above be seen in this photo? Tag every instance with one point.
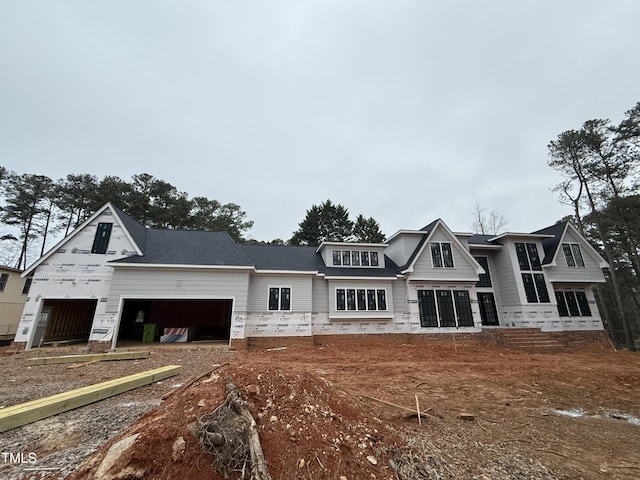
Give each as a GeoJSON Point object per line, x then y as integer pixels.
{"type": "Point", "coordinates": [13, 294]}
{"type": "Point", "coordinates": [112, 279]}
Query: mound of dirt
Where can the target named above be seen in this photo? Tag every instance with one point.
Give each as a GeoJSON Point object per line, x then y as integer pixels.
{"type": "Point", "coordinates": [308, 429]}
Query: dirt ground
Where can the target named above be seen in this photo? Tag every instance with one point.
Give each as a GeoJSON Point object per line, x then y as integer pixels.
{"type": "Point", "coordinates": [491, 413]}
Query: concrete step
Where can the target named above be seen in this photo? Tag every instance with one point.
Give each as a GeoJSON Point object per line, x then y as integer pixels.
{"type": "Point", "coordinates": [530, 339]}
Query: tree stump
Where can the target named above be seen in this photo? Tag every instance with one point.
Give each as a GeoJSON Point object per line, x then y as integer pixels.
{"type": "Point", "coordinates": [230, 433]}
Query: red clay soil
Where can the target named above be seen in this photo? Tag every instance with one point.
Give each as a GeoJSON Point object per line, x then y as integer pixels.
{"type": "Point", "coordinates": [567, 415]}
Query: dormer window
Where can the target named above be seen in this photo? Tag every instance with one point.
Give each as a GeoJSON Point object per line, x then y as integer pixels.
{"type": "Point", "coordinates": [355, 258]}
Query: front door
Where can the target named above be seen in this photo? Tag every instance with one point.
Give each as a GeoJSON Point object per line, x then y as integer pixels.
{"type": "Point", "coordinates": [488, 311]}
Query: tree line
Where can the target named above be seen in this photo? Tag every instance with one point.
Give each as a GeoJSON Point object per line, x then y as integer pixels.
{"type": "Point", "coordinates": [36, 208]}
{"type": "Point", "coordinates": [600, 165]}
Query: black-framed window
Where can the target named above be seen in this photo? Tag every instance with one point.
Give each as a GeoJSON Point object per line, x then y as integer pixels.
{"type": "Point", "coordinates": [441, 255]}
{"type": "Point", "coordinates": [341, 296]}
{"type": "Point", "coordinates": [573, 255]}
{"type": "Point", "coordinates": [427, 308]}
{"type": "Point", "coordinates": [528, 258]}
{"type": "Point", "coordinates": [445, 308]}
{"type": "Point", "coordinates": [523, 258]}
{"type": "Point", "coordinates": [361, 296]}
{"type": "Point", "coordinates": [351, 299]}
{"type": "Point", "coordinates": [535, 288]}
{"type": "Point", "coordinates": [573, 304]}
{"type": "Point", "coordinates": [355, 258]}
{"type": "Point", "coordinates": [27, 285]}
{"type": "Point", "coordinates": [463, 308]}
{"type": "Point", "coordinates": [484, 279]}
{"type": "Point", "coordinates": [563, 311]}
{"type": "Point", "coordinates": [382, 299]}
{"type": "Point", "coordinates": [4, 278]}
{"type": "Point", "coordinates": [101, 240]}
{"type": "Point", "coordinates": [361, 299]}
{"type": "Point", "coordinates": [541, 287]}
{"type": "Point", "coordinates": [279, 298]}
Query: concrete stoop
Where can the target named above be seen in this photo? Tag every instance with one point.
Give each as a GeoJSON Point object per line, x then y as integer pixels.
{"type": "Point", "coordinates": [530, 339]}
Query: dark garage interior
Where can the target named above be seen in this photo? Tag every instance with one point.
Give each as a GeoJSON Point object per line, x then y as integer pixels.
{"type": "Point", "coordinates": [206, 319]}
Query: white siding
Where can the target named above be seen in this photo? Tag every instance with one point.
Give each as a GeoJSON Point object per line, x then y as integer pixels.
{"type": "Point", "coordinates": [320, 300]}
{"type": "Point", "coordinates": [591, 272]}
{"type": "Point", "coordinates": [402, 246]}
{"type": "Point", "coordinates": [504, 280]}
{"type": "Point", "coordinates": [258, 299]}
{"type": "Point", "coordinates": [176, 283]}
{"type": "Point", "coordinates": [423, 268]}
{"type": "Point", "coordinates": [400, 303]}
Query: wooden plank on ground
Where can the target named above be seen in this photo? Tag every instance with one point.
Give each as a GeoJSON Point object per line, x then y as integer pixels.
{"type": "Point", "coordinates": [90, 357]}
{"type": "Point", "coordinates": [24, 413]}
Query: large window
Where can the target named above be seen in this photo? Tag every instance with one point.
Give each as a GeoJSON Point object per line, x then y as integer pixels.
{"type": "Point", "coordinates": [535, 287]}
{"type": "Point", "coordinates": [361, 299]}
{"type": "Point", "coordinates": [572, 304]}
{"type": "Point", "coordinates": [528, 258]}
{"type": "Point", "coordinates": [444, 308]}
{"type": "Point", "coordinates": [101, 240]}
{"type": "Point", "coordinates": [279, 298]}
{"type": "Point", "coordinates": [441, 255]}
{"type": "Point", "coordinates": [573, 255]}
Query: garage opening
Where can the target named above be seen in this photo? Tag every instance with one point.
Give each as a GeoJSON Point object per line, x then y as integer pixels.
{"type": "Point", "coordinates": [65, 321]}
{"type": "Point", "coordinates": [171, 321]}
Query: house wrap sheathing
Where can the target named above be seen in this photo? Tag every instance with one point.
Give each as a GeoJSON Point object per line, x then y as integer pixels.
{"type": "Point", "coordinates": [113, 280]}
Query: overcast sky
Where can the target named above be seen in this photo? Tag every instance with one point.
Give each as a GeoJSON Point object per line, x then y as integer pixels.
{"type": "Point", "coordinates": [402, 110]}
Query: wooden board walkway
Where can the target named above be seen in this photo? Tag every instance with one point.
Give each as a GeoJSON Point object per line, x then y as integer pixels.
{"type": "Point", "coordinates": [90, 357]}
{"type": "Point", "coordinates": [24, 413]}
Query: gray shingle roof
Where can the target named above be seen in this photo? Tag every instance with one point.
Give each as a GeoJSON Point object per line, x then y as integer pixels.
{"type": "Point", "coordinates": [135, 229]}
{"type": "Point", "coordinates": [479, 239]}
{"type": "Point", "coordinates": [183, 247]}
{"type": "Point", "coordinates": [306, 259]}
{"type": "Point", "coordinates": [281, 257]}
{"type": "Point", "coordinates": [550, 245]}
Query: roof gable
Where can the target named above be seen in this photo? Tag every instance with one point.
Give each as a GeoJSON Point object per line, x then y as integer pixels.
{"type": "Point", "coordinates": [560, 231]}
{"type": "Point", "coordinates": [134, 231]}
{"type": "Point", "coordinates": [439, 225]}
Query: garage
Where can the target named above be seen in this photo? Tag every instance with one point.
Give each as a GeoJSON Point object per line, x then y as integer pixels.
{"type": "Point", "coordinates": [64, 321]}
{"type": "Point", "coordinates": [175, 320]}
